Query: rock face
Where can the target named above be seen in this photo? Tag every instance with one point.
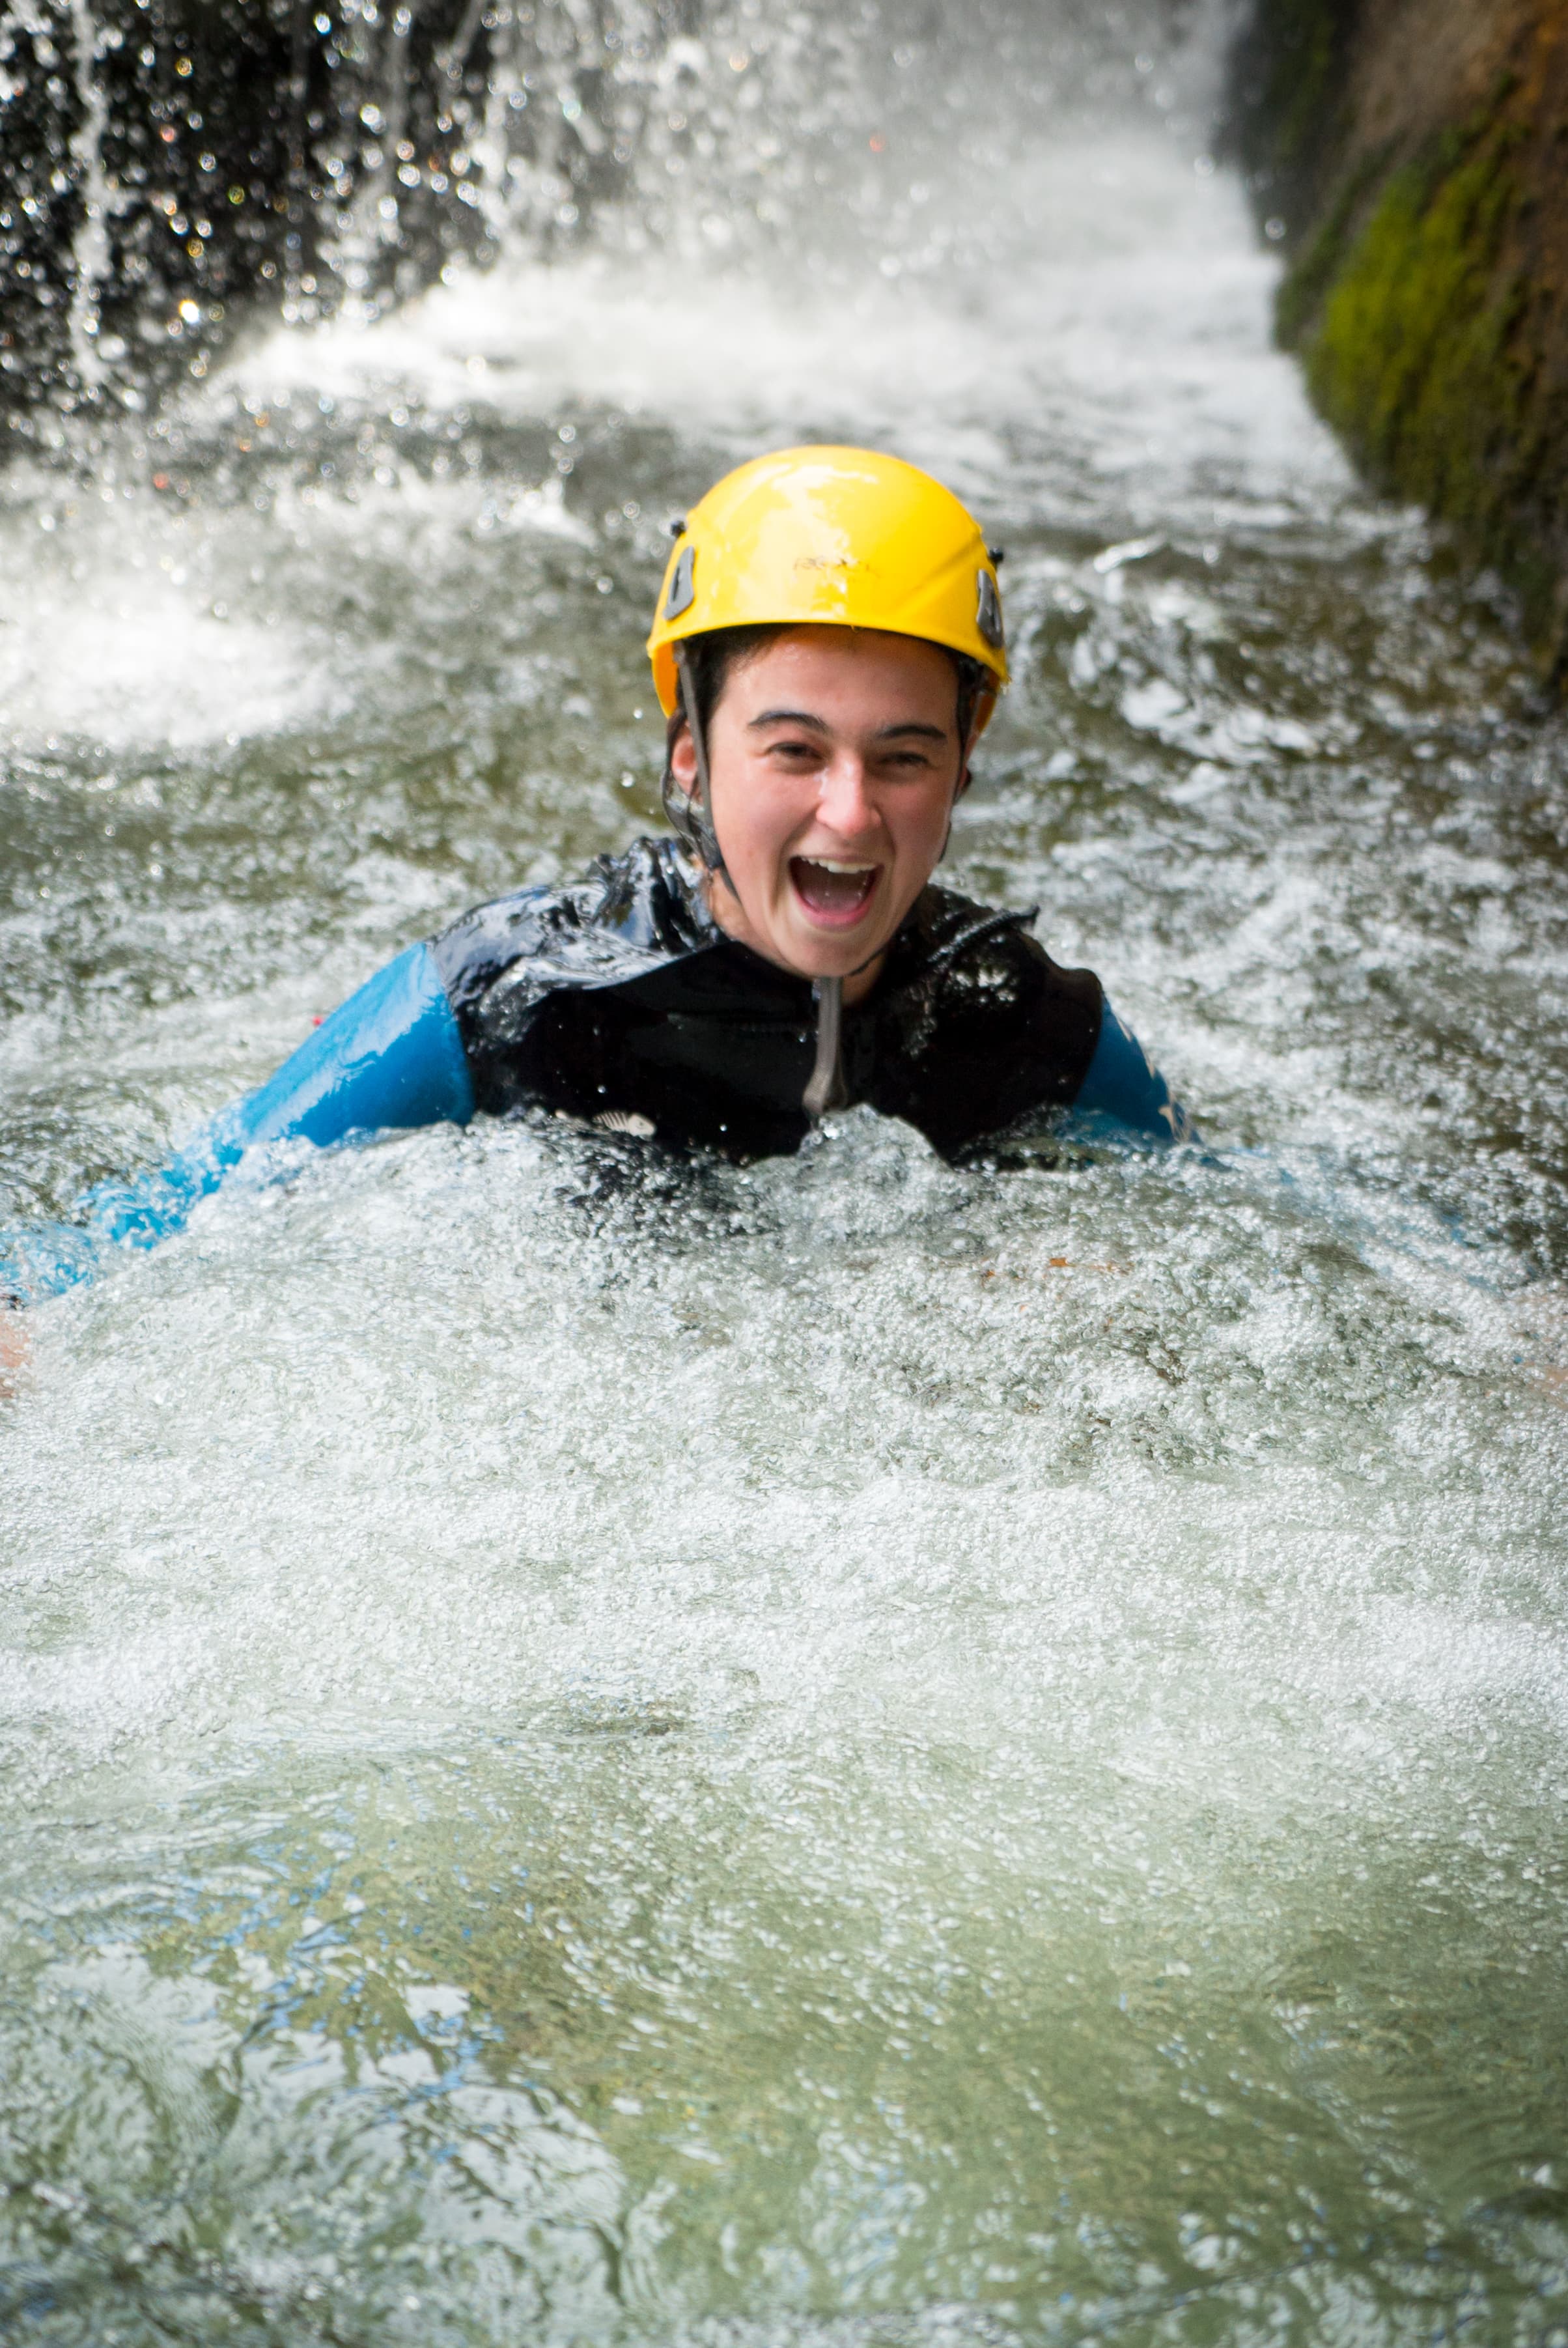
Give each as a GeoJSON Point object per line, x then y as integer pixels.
{"type": "Point", "coordinates": [1412, 156]}
{"type": "Point", "coordinates": [165, 163]}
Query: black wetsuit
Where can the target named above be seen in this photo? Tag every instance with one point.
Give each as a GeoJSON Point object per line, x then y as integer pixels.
{"type": "Point", "coordinates": [619, 997]}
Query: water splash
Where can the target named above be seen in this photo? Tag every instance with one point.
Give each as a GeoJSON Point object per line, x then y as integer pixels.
{"type": "Point", "coordinates": [189, 167]}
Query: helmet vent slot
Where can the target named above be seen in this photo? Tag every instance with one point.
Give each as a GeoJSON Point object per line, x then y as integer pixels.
{"type": "Point", "coordinates": [682, 584]}
{"type": "Point", "coordinates": [988, 612]}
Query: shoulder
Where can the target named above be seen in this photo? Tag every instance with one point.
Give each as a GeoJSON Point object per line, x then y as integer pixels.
{"type": "Point", "coordinates": [626, 912]}
{"type": "Point", "coordinates": [967, 947]}
{"type": "Point", "coordinates": [981, 1026]}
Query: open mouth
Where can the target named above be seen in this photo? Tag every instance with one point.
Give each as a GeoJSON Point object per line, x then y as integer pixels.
{"type": "Point", "coordinates": [834, 895]}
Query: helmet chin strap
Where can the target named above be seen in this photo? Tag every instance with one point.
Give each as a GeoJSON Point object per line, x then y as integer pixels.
{"type": "Point", "coordinates": [691, 813]}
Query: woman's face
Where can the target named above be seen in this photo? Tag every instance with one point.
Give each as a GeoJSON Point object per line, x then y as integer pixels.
{"type": "Point", "coordinates": [834, 759]}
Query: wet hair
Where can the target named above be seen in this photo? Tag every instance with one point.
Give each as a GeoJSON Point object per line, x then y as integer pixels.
{"type": "Point", "coordinates": [712, 658]}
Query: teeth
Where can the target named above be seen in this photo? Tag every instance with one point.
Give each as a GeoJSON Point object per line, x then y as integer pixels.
{"type": "Point", "coordinates": [828, 865]}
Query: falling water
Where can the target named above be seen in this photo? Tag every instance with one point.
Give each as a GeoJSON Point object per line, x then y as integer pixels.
{"type": "Point", "coordinates": [841, 1751]}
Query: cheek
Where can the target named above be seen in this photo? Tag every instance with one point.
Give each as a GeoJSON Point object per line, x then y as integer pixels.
{"type": "Point", "coordinates": [919, 825]}
{"type": "Point", "coordinates": [759, 816]}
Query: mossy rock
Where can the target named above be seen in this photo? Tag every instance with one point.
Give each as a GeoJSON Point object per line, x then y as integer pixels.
{"type": "Point", "coordinates": [1426, 293]}
{"type": "Point", "coordinates": [1412, 354]}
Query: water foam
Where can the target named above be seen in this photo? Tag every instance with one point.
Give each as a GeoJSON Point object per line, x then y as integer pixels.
{"type": "Point", "coordinates": [844, 1749]}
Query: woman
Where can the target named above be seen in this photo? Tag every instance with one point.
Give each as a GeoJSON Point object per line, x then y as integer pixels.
{"type": "Point", "coordinates": [827, 649]}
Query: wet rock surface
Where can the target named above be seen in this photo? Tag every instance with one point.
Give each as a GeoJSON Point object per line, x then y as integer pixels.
{"type": "Point", "coordinates": [165, 164]}
{"type": "Point", "coordinates": [1411, 156]}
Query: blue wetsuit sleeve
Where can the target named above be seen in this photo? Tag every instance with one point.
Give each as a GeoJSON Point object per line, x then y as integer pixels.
{"type": "Point", "coordinates": [390, 1057]}
{"type": "Point", "coordinates": [1123, 1085]}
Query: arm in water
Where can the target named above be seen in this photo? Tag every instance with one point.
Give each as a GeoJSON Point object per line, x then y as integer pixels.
{"type": "Point", "coordinates": [1123, 1088]}
{"type": "Point", "coordinates": [390, 1057]}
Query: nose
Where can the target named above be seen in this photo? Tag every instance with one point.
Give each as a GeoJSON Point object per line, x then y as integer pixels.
{"type": "Point", "coordinates": [844, 804]}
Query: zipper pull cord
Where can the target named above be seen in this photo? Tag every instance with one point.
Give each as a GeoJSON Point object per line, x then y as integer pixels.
{"type": "Point", "coordinates": [827, 1089]}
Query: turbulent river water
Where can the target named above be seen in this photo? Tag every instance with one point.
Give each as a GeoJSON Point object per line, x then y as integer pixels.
{"type": "Point", "coordinates": [597, 1749]}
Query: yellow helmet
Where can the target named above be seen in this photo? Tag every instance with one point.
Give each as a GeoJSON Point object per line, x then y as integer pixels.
{"type": "Point", "coordinates": [836, 537]}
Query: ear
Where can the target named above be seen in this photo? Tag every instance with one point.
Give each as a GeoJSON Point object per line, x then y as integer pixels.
{"type": "Point", "coordinates": [683, 760]}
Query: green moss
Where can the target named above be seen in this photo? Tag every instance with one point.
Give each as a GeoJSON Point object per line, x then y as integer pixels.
{"type": "Point", "coordinates": [1307, 286]}
{"type": "Point", "coordinates": [1411, 356]}
{"type": "Point", "coordinates": [1414, 324]}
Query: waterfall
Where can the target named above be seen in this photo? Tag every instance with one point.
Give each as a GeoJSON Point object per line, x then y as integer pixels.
{"type": "Point", "coordinates": [168, 171]}
{"type": "Point", "coordinates": [91, 258]}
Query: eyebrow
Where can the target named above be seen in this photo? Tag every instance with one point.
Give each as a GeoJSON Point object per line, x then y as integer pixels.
{"type": "Point", "coordinates": [821, 726]}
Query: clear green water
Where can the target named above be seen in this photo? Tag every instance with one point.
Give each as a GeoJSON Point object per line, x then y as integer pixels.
{"type": "Point", "coordinates": [601, 1751]}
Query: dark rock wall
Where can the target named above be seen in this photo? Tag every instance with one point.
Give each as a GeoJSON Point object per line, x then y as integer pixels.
{"type": "Point", "coordinates": [162, 162]}
{"type": "Point", "coordinates": [1413, 158]}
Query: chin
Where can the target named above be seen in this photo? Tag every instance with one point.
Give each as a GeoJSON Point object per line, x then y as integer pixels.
{"type": "Point", "coordinates": [836, 954]}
